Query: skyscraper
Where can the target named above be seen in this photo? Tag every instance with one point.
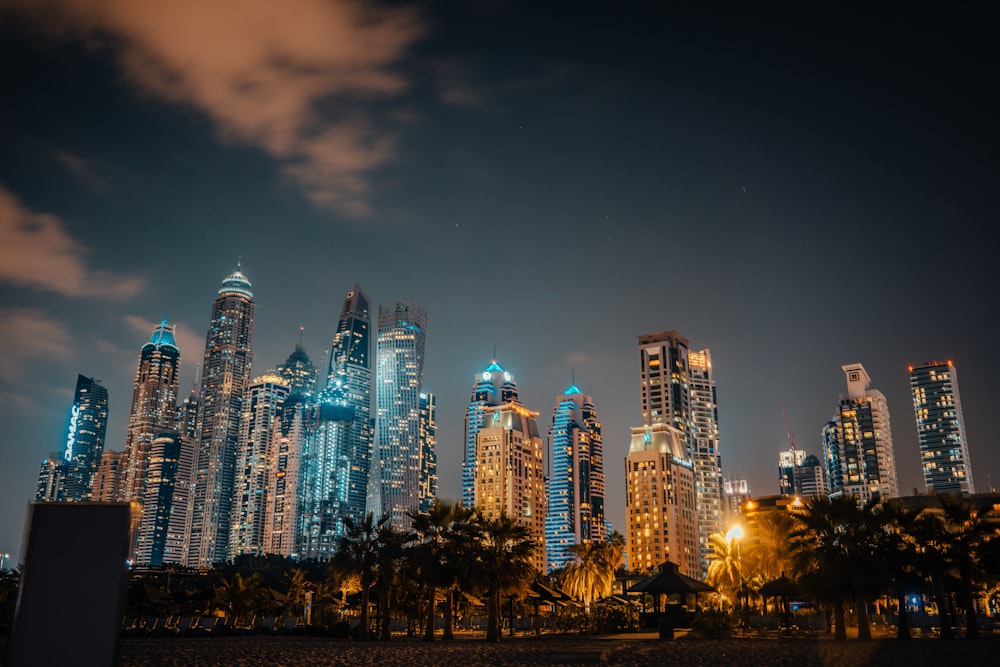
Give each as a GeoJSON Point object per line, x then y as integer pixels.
{"type": "Point", "coordinates": [492, 387]}
{"type": "Point", "coordinates": [857, 442]}
{"type": "Point", "coordinates": [575, 512]}
{"type": "Point", "coordinates": [677, 387]}
{"type": "Point", "coordinates": [48, 488]}
{"type": "Point", "coordinates": [225, 375]}
{"type": "Point", "coordinates": [284, 477]}
{"type": "Point", "coordinates": [337, 453]}
{"type": "Point", "coordinates": [299, 372]}
{"type": "Point", "coordinates": [787, 461]}
{"type": "Point", "coordinates": [88, 424]}
{"type": "Point", "coordinates": [510, 470]}
{"type": "Point", "coordinates": [162, 534]}
{"type": "Point", "coordinates": [261, 411]}
{"type": "Point", "coordinates": [108, 480]}
{"type": "Point", "coordinates": [153, 409]}
{"type": "Point", "coordinates": [664, 382]}
{"type": "Point", "coordinates": [428, 451]}
{"type": "Point", "coordinates": [705, 448]}
{"type": "Point", "coordinates": [396, 465]}
{"type": "Point", "coordinates": [660, 494]}
{"type": "Point", "coordinates": [944, 449]}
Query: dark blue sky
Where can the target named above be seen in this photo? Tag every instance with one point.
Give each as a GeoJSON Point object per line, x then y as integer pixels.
{"type": "Point", "coordinates": [794, 188]}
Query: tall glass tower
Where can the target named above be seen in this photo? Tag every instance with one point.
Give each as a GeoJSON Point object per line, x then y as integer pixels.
{"type": "Point", "coordinates": [225, 375]}
{"type": "Point", "coordinates": [153, 409]}
{"type": "Point", "coordinates": [705, 448]}
{"type": "Point", "coordinates": [338, 452]}
{"type": "Point", "coordinates": [937, 407]}
{"type": "Point", "coordinates": [396, 467]}
{"type": "Point", "coordinates": [857, 442]}
{"type": "Point", "coordinates": [88, 423]}
{"type": "Point", "coordinates": [262, 405]}
{"type": "Point", "coordinates": [299, 372]}
{"type": "Point", "coordinates": [494, 386]}
{"type": "Point", "coordinates": [428, 451]}
{"type": "Point", "coordinates": [575, 491]}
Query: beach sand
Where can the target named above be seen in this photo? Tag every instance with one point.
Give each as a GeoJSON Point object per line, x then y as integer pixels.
{"type": "Point", "coordinates": [645, 650]}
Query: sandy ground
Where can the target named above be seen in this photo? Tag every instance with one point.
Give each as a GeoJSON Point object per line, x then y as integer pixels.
{"type": "Point", "coordinates": [555, 650]}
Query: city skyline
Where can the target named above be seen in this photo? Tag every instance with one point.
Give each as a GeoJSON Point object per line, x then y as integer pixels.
{"type": "Point", "coordinates": [548, 183]}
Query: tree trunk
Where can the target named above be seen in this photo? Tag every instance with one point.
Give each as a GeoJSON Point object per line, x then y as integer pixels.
{"type": "Point", "coordinates": [903, 619]}
{"type": "Point", "coordinates": [839, 631]}
{"type": "Point", "coordinates": [364, 620]}
{"type": "Point", "coordinates": [384, 606]}
{"type": "Point", "coordinates": [942, 604]}
{"type": "Point", "coordinates": [971, 621]}
{"type": "Point", "coordinates": [449, 615]}
{"type": "Point", "coordinates": [864, 622]}
{"type": "Point", "coordinates": [429, 630]}
{"type": "Point", "coordinates": [493, 617]}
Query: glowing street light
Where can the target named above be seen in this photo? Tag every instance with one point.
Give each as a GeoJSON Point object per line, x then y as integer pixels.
{"type": "Point", "coordinates": [735, 533]}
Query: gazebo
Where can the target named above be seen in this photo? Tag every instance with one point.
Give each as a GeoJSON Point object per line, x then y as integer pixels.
{"type": "Point", "coordinates": [669, 581]}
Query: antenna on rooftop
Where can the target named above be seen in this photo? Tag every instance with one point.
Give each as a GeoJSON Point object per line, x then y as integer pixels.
{"type": "Point", "coordinates": [788, 428]}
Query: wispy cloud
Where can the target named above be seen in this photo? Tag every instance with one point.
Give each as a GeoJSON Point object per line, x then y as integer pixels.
{"type": "Point", "coordinates": [28, 336]}
{"type": "Point", "coordinates": [36, 251]}
{"type": "Point", "coordinates": [84, 169]}
{"type": "Point", "coordinates": [188, 342]}
{"type": "Point", "coordinates": [261, 70]}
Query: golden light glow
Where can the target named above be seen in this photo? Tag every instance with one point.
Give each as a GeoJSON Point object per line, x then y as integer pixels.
{"type": "Point", "coordinates": [735, 533]}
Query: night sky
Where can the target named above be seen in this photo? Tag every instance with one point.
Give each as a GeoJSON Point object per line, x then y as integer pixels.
{"type": "Point", "coordinates": [793, 188]}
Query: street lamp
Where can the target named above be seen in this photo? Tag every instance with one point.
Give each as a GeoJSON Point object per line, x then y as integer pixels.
{"type": "Point", "coordinates": [3, 562]}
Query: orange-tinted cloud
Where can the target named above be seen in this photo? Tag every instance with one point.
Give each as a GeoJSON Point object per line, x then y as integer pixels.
{"type": "Point", "coordinates": [29, 335]}
{"type": "Point", "coordinates": [259, 69]}
{"type": "Point", "coordinates": [37, 252]}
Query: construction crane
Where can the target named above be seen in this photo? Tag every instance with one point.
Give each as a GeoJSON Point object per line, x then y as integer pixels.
{"type": "Point", "coordinates": [788, 428]}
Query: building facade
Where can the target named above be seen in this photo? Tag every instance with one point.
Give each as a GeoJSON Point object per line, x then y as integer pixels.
{"type": "Point", "coordinates": [261, 411]}
{"type": "Point", "coordinates": [493, 387]}
{"type": "Point", "coordinates": [858, 449]}
{"type": "Point", "coordinates": [575, 511]}
{"type": "Point", "coordinates": [338, 447]}
{"type": "Point", "coordinates": [162, 536]}
{"type": "Point", "coordinates": [225, 376]}
{"type": "Point", "coordinates": [705, 448]}
{"type": "Point", "coordinates": [510, 470]}
{"type": "Point", "coordinates": [284, 477]}
{"type": "Point", "coordinates": [108, 480]}
{"type": "Point", "coordinates": [660, 493]}
{"type": "Point", "coordinates": [153, 409]}
{"type": "Point", "coordinates": [428, 451]}
{"type": "Point", "coordinates": [88, 424]}
{"type": "Point", "coordinates": [395, 475]}
{"type": "Point", "coordinates": [944, 448]}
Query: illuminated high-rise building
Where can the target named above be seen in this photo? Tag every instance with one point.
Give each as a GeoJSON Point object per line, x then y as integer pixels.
{"type": "Point", "coordinates": [944, 449]}
{"type": "Point", "coordinates": [261, 411]}
{"type": "Point", "coordinates": [704, 450]}
{"type": "Point", "coordinates": [153, 408]}
{"type": "Point", "coordinates": [664, 382]}
{"type": "Point", "coordinates": [284, 477]}
{"type": "Point", "coordinates": [88, 424]}
{"type": "Point", "coordinates": [396, 465]}
{"type": "Point", "coordinates": [787, 461]}
{"type": "Point", "coordinates": [162, 537]}
{"type": "Point", "coordinates": [428, 451]}
{"type": "Point", "coordinates": [337, 453]}
{"type": "Point", "coordinates": [575, 511]}
{"type": "Point", "coordinates": [809, 478]}
{"type": "Point", "coordinates": [677, 388]}
{"type": "Point", "coordinates": [857, 442]}
{"type": "Point", "coordinates": [108, 480]}
{"type": "Point", "coordinates": [299, 372]}
{"type": "Point", "coordinates": [224, 379]}
{"type": "Point", "coordinates": [492, 387]}
{"type": "Point", "coordinates": [510, 470]}
{"type": "Point", "coordinates": [48, 488]}
{"type": "Point", "coordinates": [660, 494]}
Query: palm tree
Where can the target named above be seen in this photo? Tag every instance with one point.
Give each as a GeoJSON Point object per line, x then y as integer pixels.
{"type": "Point", "coordinates": [771, 555]}
{"type": "Point", "coordinates": [968, 532]}
{"type": "Point", "coordinates": [591, 576]}
{"type": "Point", "coordinates": [838, 543]}
{"type": "Point", "coordinates": [358, 553]}
{"type": "Point", "coordinates": [901, 551]}
{"type": "Point", "coordinates": [616, 546]}
{"type": "Point", "coordinates": [391, 547]}
{"type": "Point", "coordinates": [436, 555]}
{"type": "Point", "coordinates": [239, 594]}
{"type": "Point", "coordinates": [930, 533]}
{"type": "Point", "coordinates": [726, 567]}
{"type": "Point", "coordinates": [505, 556]}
